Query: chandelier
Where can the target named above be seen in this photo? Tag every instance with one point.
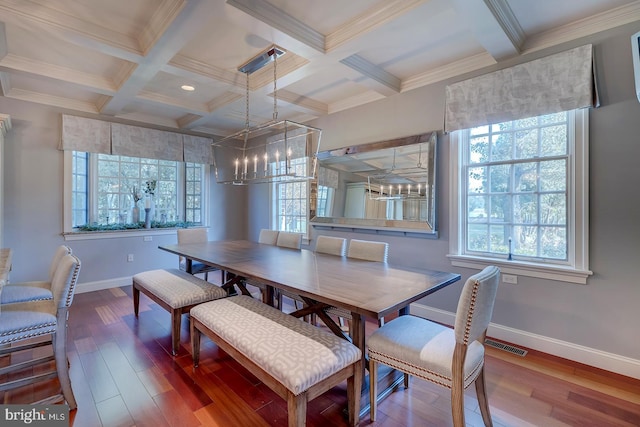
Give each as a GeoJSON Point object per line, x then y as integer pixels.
{"type": "Point", "coordinates": [274, 151]}
{"type": "Point", "coordinates": [412, 182]}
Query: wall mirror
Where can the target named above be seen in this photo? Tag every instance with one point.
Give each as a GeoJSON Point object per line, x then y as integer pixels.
{"type": "Point", "coordinates": [385, 186]}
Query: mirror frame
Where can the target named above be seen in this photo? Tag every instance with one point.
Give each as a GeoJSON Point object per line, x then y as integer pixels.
{"type": "Point", "coordinates": [403, 227]}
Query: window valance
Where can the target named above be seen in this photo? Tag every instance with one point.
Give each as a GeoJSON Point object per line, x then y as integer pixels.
{"type": "Point", "coordinates": [560, 82]}
{"type": "Point", "coordinates": [328, 177]}
{"type": "Point", "coordinates": [82, 134]}
{"type": "Point", "coordinates": [97, 136]}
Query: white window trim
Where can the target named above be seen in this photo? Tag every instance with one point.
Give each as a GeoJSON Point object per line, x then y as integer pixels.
{"type": "Point", "coordinates": [69, 234]}
{"type": "Point", "coordinates": [577, 268]}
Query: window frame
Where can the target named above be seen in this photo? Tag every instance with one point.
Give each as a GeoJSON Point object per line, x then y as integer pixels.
{"type": "Point", "coordinates": [576, 268]}
{"type": "Point", "coordinates": [71, 233]}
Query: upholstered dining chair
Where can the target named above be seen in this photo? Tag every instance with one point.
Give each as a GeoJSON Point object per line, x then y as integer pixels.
{"type": "Point", "coordinates": [366, 250]}
{"type": "Point", "coordinates": [290, 240]}
{"type": "Point", "coordinates": [268, 237]}
{"type": "Point", "coordinates": [287, 239]}
{"type": "Point", "coordinates": [453, 358]}
{"type": "Point", "coordinates": [331, 245]}
{"type": "Point", "coordinates": [21, 322]}
{"type": "Point", "coordinates": [35, 290]}
{"type": "Point", "coordinates": [195, 235]}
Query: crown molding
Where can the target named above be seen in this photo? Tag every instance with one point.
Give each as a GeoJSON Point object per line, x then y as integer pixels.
{"type": "Point", "coordinates": [453, 69]}
{"type": "Point", "coordinates": [281, 20]}
{"type": "Point", "coordinates": [508, 21]}
{"type": "Point", "coordinates": [375, 73]}
{"type": "Point", "coordinates": [355, 101]}
{"type": "Point", "coordinates": [162, 18]}
{"type": "Point", "coordinates": [81, 32]}
{"type": "Point", "coordinates": [52, 100]}
{"type": "Point", "coordinates": [298, 102]}
{"type": "Point", "coordinates": [93, 82]}
{"type": "Point", "coordinates": [584, 27]}
{"type": "Point", "coordinates": [156, 98]}
{"type": "Point", "coordinates": [369, 20]}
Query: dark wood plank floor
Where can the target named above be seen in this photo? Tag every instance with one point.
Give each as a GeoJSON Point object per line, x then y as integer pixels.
{"type": "Point", "coordinates": [123, 375]}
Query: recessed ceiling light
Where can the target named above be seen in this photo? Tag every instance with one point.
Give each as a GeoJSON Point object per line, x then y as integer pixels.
{"type": "Point", "coordinates": [188, 88]}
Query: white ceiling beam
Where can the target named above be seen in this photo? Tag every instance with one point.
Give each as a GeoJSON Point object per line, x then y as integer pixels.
{"type": "Point", "coordinates": [494, 26]}
{"type": "Point", "coordinates": [371, 19]}
{"type": "Point", "coordinates": [379, 80]}
{"type": "Point", "coordinates": [88, 81]}
{"type": "Point", "coordinates": [80, 32]}
{"type": "Point", "coordinates": [194, 15]}
{"type": "Point", "coordinates": [264, 11]}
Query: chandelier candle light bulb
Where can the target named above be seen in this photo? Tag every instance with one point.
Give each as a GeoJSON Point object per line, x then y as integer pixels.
{"type": "Point", "coordinates": [236, 168]}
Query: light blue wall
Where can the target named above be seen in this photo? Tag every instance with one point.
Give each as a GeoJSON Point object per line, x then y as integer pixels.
{"type": "Point", "coordinates": [33, 184]}
{"type": "Point", "coordinates": [602, 315]}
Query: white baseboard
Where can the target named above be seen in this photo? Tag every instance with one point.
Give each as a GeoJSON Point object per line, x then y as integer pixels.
{"type": "Point", "coordinates": [103, 284]}
{"type": "Point", "coordinates": [589, 356]}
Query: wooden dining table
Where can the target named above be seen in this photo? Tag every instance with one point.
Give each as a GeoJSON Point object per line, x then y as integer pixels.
{"type": "Point", "coordinates": [366, 289]}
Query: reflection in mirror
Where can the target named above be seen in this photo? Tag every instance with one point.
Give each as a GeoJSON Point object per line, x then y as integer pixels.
{"type": "Point", "coordinates": [386, 185]}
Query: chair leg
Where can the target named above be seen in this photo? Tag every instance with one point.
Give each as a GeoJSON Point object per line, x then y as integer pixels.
{"type": "Point", "coordinates": [373, 389]}
{"type": "Point", "coordinates": [176, 316]}
{"type": "Point", "coordinates": [136, 300]}
{"type": "Point", "coordinates": [481, 392]}
{"type": "Point", "coordinates": [206, 276]}
{"type": "Point", "coordinates": [457, 385]}
{"type": "Point", "coordinates": [195, 344]}
{"type": "Point", "coordinates": [62, 363]}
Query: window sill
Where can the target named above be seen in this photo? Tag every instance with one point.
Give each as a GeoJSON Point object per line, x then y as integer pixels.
{"type": "Point", "coordinates": [548, 272]}
{"type": "Point", "coordinates": [117, 234]}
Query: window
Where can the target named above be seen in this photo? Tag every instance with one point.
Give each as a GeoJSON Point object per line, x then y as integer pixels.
{"type": "Point", "coordinates": [325, 201]}
{"type": "Point", "coordinates": [522, 196]}
{"type": "Point", "coordinates": [291, 201]}
{"type": "Point", "coordinates": [103, 187]}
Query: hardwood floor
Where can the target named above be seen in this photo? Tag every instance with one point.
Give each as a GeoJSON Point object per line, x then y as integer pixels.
{"type": "Point", "coordinates": [123, 375]}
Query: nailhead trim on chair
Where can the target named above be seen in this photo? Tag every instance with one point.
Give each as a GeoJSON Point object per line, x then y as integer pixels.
{"type": "Point", "coordinates": [472, 307]}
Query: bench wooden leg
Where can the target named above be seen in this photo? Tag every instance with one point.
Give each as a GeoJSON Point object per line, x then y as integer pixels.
{"type": "Point", "coordinates": [176, 316]}
{"type": "Point", "coordinates": [354, 390]}
{"type": "Point", "coordinates": [195, 343]}
{"type": "Point", "coordinates": [136, 300]}
{"type": "Point", "coordinates": [297, 408]}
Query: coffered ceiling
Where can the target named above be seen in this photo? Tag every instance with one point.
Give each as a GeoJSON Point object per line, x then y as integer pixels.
{"type": "Point", "coordinates": [129, 58]}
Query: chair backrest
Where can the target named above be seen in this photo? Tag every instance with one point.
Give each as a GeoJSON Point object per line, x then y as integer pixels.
{"type": "Point", "coordinates": [268, 237]}
{"type": "Point", "coordinates": [192, 235]}
{"type": "Point", "coordinates": [475, 305]}
{"type": "Point", "coordinates": [289, 240]}
{"type": "Point", "coordinates": [331, 245]}
{"type": "Point", "coordinates": [368, 250]}
{"type": "Point", "coordinates": [63, 284]}
{"type": "Point", "coordinates": [60, 252]}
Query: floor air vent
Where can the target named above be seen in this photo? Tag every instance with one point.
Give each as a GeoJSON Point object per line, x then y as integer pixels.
{"type": "Point", "coordinates": [505, 347]}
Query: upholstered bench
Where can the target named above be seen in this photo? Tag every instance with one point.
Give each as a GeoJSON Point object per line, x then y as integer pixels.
{"type": "Point", "coordinates": [296, 360]}
{"type": "Point", "coordinates": [177, 292]}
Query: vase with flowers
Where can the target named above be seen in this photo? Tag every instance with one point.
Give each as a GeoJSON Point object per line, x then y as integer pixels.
{"type": "Point", "coordinates": [135, 210]}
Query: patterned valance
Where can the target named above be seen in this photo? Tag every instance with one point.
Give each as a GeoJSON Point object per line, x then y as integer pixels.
{"type": "Point", "coordinates": [97, 136]}
{"type": "Point", "coordinates": [328, 177]}
{"type": "Point", "coordinates": [560, 82]}
{"type": "Point", "coordinates": [82, 134]}
{"type": "Point", "coordinates": [135, 141]}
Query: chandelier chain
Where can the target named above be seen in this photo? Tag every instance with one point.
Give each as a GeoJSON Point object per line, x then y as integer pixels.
{"type": "Point", "coordinates": [246, 122]}
{"type": "Point", "coordinates": [275, 87]}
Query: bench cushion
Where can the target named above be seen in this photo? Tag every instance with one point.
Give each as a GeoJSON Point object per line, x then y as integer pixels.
{"type": "Point", "coordinates": [295, 353]}
{"type": "Point", "coordinates": [178, 288]}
